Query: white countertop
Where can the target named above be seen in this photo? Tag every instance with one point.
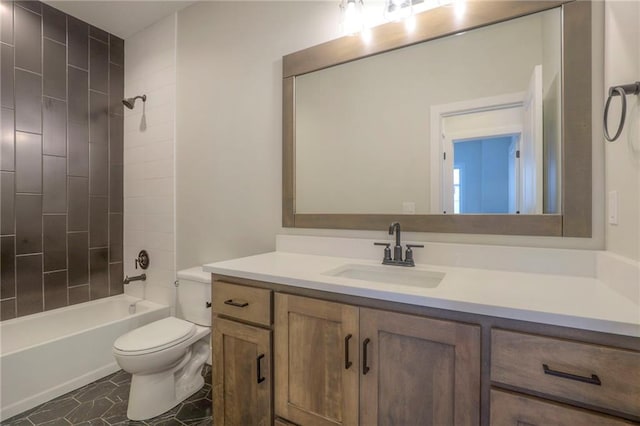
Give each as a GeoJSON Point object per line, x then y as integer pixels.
{"type": "Point", "coordinates": [579, 302]}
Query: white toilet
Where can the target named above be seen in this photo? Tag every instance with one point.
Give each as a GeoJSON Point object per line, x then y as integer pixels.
{"type": "Point", "coordinates": [166, 357]}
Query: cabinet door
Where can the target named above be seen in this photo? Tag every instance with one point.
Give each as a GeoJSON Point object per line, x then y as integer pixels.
{"type": "Point", "coordinates": [418, 371]}
{"type": "Point", "coordinates": [316, 383]}
{"type": "Point", "coordinates": [510, 409]}
{"type": "Point", "coordinates": [241, 374]}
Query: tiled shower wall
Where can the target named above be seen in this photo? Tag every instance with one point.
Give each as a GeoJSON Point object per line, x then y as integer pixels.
{"type": "Point", "coordinates": [61, 159]}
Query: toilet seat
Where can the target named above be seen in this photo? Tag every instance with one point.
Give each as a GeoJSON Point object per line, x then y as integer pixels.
{"type": "Point", "coordinates": [154, 337]}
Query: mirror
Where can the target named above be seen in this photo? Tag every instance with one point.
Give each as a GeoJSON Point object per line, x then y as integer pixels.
{"type": "Point", "coordinates": [452, 131]}
{"type": "Point", "coordinates": [453, 125]}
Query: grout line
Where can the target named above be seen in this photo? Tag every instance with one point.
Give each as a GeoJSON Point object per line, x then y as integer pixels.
{"type": "Point", "coordinates": [25, 70]}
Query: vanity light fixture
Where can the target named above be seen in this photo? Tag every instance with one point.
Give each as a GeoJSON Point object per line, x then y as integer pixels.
{"type": "Point", "coordinates": [397, 10]}
{"type": "Point", "coordinates": [352, 16]}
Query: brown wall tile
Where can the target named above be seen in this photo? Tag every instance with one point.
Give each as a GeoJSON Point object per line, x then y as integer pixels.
{"type": "Point", "coordinates": [115, 237]}
{"type": "Point", "coordinates": [98, 222]}
{"type": "Point", "coordinates": [7, 309]}
{"type": "Point", "coordinates": [29, 284]}
{"type": "Point", "coordinates": [6, 76]}
{"type": "Point", "coordinates": [55, 290]}
{"type": "Point", "coordinates": [98, 66]}
{"type": "Point", "coordinates": [54, 127]}
{"type": "Point", "coordinates": [54, 170]}
{"type": "Point", "coordinates": [28, 93]}
{"type": "Point", "coordinates": [116, 276]}
{"type": "Point", "coordinates": [28, 224]}
{"type": "Point", "coordinates": [7, 206]}
{"type": "Point", "coordinates": [78, 204]}
{"type": "Point", "coordinates": [55, 69]}
{"type": "Point", "coordinates": [78, 41]}
{"type": "Point", "coordinates": [54, 24]}
{"type": "Point", "coordinates": [28, 163]}
{"type": "Point", "coordinates": [78, 294]}
{"type": "Point", "coordinates": [7, 139]}
{"type": "Point", "coordinates": [78, 149]}
{"type": "Point", "coordinates": [6, 22]}
{"type": "Point", "coordinates": [28, 39]}
{"type": "Point", "coordinates": [98, 273]}
{"type": "Point", "coordinates": [61, 159]}
{"type": "Point", "coordinates": [55, 242]}
{"type": "Point", "coordinates": [7, 267]}
{"type": "Point", "coordinates": [78, 261]}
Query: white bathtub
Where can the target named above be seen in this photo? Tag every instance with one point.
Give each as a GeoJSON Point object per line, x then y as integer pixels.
{"type": "Point", "coordinates": [45, 355]}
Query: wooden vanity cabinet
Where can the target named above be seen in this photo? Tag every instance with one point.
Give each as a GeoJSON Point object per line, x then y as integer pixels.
{"type": "Point", "coordinates": [242, 358]}
{"type": "Point", "coordinates": [339, 364]}
{"type": "Point", "coordinates": [513, 409]}
{"type": "Point", "coordinates": [342, 360]}
{"type": "Point", "coordinates": [418, 371]}
{"type": "Point", "coordinates": [316, 361]}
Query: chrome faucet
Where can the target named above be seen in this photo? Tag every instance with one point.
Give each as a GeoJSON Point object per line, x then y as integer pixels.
{"type": "Point", "coordinates": [397, 249]}
{"type": "Point", "coordinates": [128, 279]}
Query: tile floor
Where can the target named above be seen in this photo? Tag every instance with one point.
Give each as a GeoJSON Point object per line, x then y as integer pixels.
{"type": "Point", "coordinates": [104, 403]}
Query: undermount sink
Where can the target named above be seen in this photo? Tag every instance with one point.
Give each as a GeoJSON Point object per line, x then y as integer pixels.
{"type": "Point", "coordinates": [389, 275]}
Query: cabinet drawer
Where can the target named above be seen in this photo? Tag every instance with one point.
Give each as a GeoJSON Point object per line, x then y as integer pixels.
{"type": "Point", "coordinates": [596, 375]}
{"type": "Point", "coordinates": [509, 409]}
{"type": "Point", "coordinates": [244, 303]}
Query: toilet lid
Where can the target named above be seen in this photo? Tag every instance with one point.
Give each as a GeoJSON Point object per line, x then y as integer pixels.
{"type": "Point", "coordinates": [157, 335]}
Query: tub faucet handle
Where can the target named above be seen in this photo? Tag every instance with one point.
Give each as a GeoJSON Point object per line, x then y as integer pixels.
{"type": "Point", "coordinates": [142, 260]}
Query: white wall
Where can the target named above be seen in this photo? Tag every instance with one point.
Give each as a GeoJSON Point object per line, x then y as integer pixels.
{"type": "Point", "coordinates": [229, 129]}
{"type": "Point", "coordinates": [229, 121]}
{"type": "Point", "coordinates": [622, 65]}
{"type": "Point", "coordinates": [149, 218]}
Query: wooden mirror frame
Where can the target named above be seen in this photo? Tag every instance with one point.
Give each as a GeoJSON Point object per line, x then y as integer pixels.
{"type": "Point", "coordinates": [575, 220]}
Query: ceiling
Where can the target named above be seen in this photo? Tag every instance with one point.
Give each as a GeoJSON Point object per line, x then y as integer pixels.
{"type": "Point", "coordinates": [122, 18]}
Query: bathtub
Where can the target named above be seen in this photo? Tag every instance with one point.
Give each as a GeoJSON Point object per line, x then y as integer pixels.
{"type": "Point", "coordinates": [45, 355]}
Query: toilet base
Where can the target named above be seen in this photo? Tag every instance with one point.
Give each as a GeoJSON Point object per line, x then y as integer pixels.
{"type": "Point", "coordinates": [154, 394]}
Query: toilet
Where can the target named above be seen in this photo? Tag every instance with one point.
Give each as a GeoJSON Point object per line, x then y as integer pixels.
{"type": "Point", "coordinates": [166, 357]}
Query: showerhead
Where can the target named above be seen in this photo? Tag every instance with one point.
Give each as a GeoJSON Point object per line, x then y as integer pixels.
{"type": "Point", "coordinates": [130, 102]}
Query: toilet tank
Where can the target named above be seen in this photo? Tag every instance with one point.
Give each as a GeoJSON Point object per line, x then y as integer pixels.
{"type": "Point", "coordinates": [193, 296]}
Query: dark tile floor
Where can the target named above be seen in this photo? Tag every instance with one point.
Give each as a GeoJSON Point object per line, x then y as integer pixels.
{"type": "Point", "coordinates": [104, 403]}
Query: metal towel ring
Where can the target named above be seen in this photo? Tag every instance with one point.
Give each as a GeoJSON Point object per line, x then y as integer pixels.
{"type": "Point", "coordinates": [622, 91]}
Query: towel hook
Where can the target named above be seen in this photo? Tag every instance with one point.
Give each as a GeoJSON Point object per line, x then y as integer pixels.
{"type": "Point", "coordinates": [620, 90]}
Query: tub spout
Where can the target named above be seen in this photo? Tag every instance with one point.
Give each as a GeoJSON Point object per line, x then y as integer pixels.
{"type": "Point", "coordinates": [141, 277]}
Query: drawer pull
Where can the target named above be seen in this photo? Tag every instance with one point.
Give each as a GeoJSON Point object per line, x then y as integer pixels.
{"type": "Point", "coordinates": [347, 363]}
{"type": "Point", "coordinates": [230, 302]}
{"type": "Point", "coordinates": [593, 380]}
{"type": "Point", "coordinates": [365, 367]}
{"type": "Point", "coordinates": [260, 378]}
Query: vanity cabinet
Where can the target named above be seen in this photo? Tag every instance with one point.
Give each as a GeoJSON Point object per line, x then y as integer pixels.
{"type": "Point", "coordinates": [596, 376]}
{"type": "Point", "coordinates": [316, 361]}
{"type": "Point", "coordinates": [418, 370]}
{"type": "Point", "coordinates": [292, 356]}
{"type": "Point", "coordinates": [242, 358]}
{"type": "Point", "coordinates": [512, 409]}
{"type": "Point", "coordinates": [339, 364]}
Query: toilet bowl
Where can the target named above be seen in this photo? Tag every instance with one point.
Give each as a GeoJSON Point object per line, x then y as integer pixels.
{"type": "Point", "coordinates": [165, 357]}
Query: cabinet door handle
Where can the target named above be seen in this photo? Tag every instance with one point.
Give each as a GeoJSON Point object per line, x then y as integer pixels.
{"type": "Point", "coordinates": [236, 304]}
{"type": "Point", "coordinates": [365, 367]}
{"type": "Point", "coordinates": [347, 363]}
{"type": "Point", "coordinates": [593, 380]}
{"type": "Point", "coordinates": [260, 378]}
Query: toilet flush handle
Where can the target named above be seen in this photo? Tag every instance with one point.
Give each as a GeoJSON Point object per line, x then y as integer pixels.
{"type": "Point", "coordinates": [208, 304]}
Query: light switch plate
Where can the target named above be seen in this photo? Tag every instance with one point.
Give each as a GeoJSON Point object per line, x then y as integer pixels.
{"type": "Point", "coordinates": [408, 207]}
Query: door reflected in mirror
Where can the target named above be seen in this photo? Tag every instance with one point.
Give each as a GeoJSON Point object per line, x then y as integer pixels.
{"type": "Point", "coordinates": [469, 123]}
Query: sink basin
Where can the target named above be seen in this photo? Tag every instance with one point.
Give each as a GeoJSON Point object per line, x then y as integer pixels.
{"type": "Point", "coordinates": [389, 275]}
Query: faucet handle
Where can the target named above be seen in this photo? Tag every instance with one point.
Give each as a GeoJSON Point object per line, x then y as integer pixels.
{"type": "Point", "coordinates": [409, 252]}
{"type": "Point", "coordinates": [387, 251]}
